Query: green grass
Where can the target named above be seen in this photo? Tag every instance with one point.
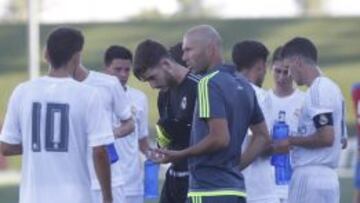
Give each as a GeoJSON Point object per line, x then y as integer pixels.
{"type": "Point", "coordinates": [9, 194]}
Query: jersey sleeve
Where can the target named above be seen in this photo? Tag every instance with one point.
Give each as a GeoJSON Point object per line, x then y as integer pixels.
{"type": "Point", "coordinates": [144, 118]}
{"type": "Point", "coordinates": [211, 103]}
{"type": "Point", "coordinates": [122, 109]}
{"type": "Point", "coordinates": [321, 102]}
{"type": "Point", "coordinates": [99, 128]}
{"type": "Point", "coordinates": [11, 130]}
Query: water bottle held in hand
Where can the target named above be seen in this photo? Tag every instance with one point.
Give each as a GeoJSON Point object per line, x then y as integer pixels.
{"type": "Point", "coordinates": [281, 162]}
{"type": "Point", "coordinates": [151, 179]}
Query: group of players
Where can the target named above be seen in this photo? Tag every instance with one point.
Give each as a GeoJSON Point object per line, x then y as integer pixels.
{"type": "Point", "coordinates": [213, 126]}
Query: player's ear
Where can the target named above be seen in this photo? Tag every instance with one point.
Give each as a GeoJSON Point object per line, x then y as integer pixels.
{"type": "Point", "coordinates": [165, 64]}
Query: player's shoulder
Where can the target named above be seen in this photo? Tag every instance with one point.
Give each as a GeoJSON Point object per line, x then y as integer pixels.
{"type": "Point", "coordinates": [193, 78]}
{"type": "Point", "coordinates": [260, 92]}
{"type": "Point", "coordinates": [46, 80]}
{"type": "Point", "coordinates": [103, 78]}
{"type": "Point", "coordinates": [324, 83]}
{"type": "Point", "coordinates": [213, 78]}
{"type": "Point", "coordinates": [137, 93]}
{"type": "Point", "coordinates": [321, 87]}
{"type": "Point", "coordinates": [323, 91]}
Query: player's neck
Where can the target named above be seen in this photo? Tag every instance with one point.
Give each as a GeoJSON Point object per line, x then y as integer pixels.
{"type": "Point", "coordinates": [81, 73]}
{"type": "Point", "coordinates": [58, 73]}
{"type": "Point", "coordinates": [283, 91]}
{"type": "Point", "coordinates": [217, 60]}
{"type": "Point", "coordinates": [250, 76]}
{"type": "Point", "coordinates": [311, 75]}
{"type": "Point", "coordinates": [180, 74]}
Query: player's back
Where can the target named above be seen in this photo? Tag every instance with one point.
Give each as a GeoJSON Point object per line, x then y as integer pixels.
{"type": "Point", "coordinates": [53, 118]}
{"type": "Point", "coordinates": [105, 84]}
{"type": "Point", "coordinates": [111, 94]}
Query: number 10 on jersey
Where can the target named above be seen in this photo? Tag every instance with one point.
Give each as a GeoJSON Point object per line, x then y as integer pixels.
{"type": "Point", "coordinates": [56, 126]}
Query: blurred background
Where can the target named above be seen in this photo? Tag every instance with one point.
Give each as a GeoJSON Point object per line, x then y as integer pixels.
{"type": "Point", "coordinates": [333, 25]}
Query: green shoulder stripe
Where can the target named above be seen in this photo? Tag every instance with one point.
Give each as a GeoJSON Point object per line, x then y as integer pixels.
{"type": "Point", "coordinates": [203, 95]}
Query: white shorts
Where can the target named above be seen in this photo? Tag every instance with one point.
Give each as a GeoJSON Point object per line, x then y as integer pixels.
{"type": "Point", "coordinates": [314, 184]}
{"type": "Point", "coordinates": [117, 192]}
{"type": "Point", "coordinates": [283, 200]}
{"type": "Point", "coordinates": [135, 199]}
{"type": "Point", "coordinates": [283, 193]}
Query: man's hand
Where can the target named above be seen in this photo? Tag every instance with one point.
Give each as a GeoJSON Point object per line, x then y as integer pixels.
{"type": "Point", "coordinates": [167, 156]}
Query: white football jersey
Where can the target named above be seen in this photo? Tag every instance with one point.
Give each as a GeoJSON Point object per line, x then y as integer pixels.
{"type": "Point", "coordinates": [56, 120]}
{"type": "Point", "coordinates": [259, 176]}
{"type": "Point", "coordinates": [291, 105]}
{"type": "Point", "coordinates": [117, 108]}
{"type": "Point", "coordinates": [323, 96]}
{"type": "Point", "coordinates": [129, 146]}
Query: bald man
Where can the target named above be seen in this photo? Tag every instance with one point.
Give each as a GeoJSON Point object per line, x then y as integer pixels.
{"type": "Point", "coordinates": [226, 107]}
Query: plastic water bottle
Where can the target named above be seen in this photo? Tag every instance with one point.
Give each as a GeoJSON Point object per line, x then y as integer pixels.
{"type": "Point", "coordinates": [151, 182]}
{"type": "Point", "coordinates": [281, 162]}
{"type": "Point", "coordinates": [111, 150]}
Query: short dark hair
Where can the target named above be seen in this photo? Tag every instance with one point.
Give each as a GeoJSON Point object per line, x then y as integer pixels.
{"type": "Point", "coordinates": [62, 43]}
{"type": "Point", "coordinates": [116, 52]}
{"type": "Point", "coordinates": [176, 53]}
{"type": "Point", "coordinates": [147, 55]}
{"type": "Point", "coordinates": [277, 55]}
{"type": "Point", "coordinates": [247, 52]}
{"type": "Point", "coordinates": [302, 47]}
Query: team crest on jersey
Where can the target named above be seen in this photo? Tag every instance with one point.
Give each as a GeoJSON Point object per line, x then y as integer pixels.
{"type": "Point", "coordinates": [323, 119]}
{"type": "Point", "coordinates": [183, 103]}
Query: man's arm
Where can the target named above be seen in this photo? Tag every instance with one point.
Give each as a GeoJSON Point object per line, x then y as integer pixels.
{"type": "Point", "coordinates": [126, 127]}
{"type": "Point", "coordinates": [102, 169]}
{"type": "Point", "coordinates": [217, 139]}
{"type": "Point", "coordinates": [10, 149]}
{"type": "Point", "coordinates": [144, 145]}
{"type": "Point", "coordinates": [260, 141]}
{"type": "Point", "coordinates": [323, 137]}
{"type": "Point", "coordinates": [144, 125]}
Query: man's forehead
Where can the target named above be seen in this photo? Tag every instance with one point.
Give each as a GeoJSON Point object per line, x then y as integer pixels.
{"type": "Point", "coordinates": [121, 61]}
{"type": "Point", "coordinates": [280, 66]}
{"type": "Point", "coordinates": [193, 38]}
